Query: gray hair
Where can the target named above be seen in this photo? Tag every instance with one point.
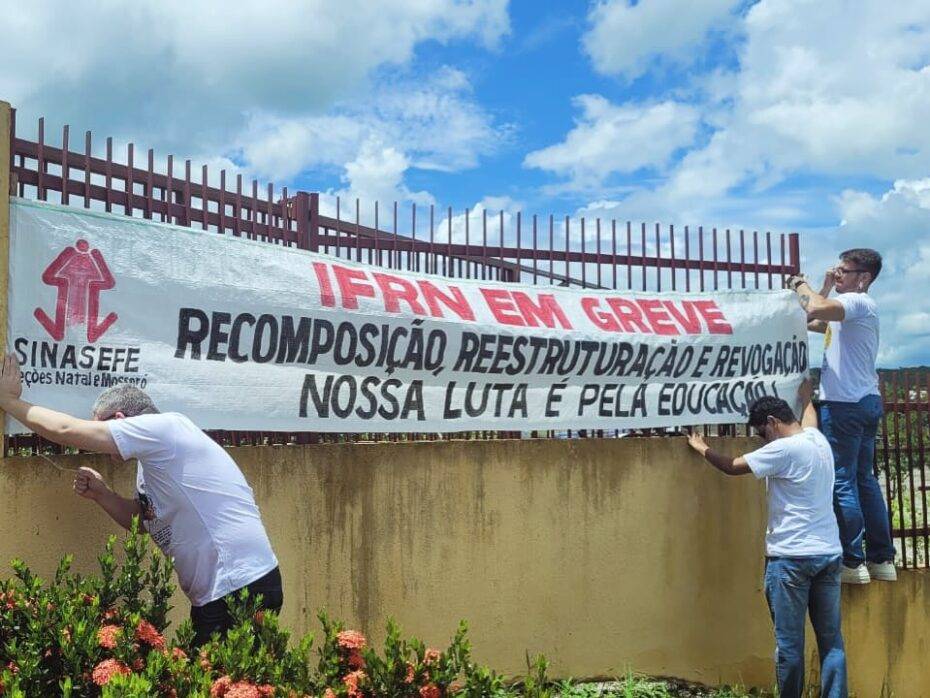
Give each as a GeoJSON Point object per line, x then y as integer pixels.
{"type": "Point", "coordinates": [125, 398]}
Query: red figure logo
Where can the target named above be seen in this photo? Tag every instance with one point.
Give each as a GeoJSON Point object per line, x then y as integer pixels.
{"type": "Point", "coordinates": [80, 275]}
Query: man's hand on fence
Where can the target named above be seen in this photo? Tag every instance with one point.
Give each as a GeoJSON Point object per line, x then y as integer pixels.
{"type": "Point", "coordinates": [11, 379]}
{"type": "Point", "coordinates": [696, 441]}
{"type": "Point", "coordinates": [89, 483]}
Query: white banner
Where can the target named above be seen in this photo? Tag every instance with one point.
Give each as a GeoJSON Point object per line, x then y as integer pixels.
{"type": "Point", "coordinates": [244, 335]}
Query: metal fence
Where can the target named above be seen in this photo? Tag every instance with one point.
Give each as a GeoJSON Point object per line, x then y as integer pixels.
{"type": "Point", "coordinates": [583, 252]}
{"type": "Point", "coordinates": [901, 462]}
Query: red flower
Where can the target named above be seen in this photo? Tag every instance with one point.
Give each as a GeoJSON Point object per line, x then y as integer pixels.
{"type": "Point", "coordinates": [328, 693]}
{"type": "Point", "coordinates": [351, 681]}
{"type": "Point", "coordinates": [410, 673]}
{"type": "Point", "coordinates": [13, 668]}
{"type": "Point", "coordinates": [356, 661]}
{"type": "Point", "coordinates": [107, 669]}
{"type": "Point", "coordinates": [220, 686]}
{"type": "Point", "coordinates": [146, 632]}
{"type": "Point", "coordinates": [205, 661]}
{"type": "Point", "coordinates": [350, 640]}
{"type": "Point", "coordinates": [107, 636]}
{"type": "Point", "coordinates": [430, 690]}
{"type": "Point", "coordinates": [431, 656]}
{"type": "Point", "coordinates": [110, 614]}
{"type": "Point", "coordinates": [455, 687]}
{"type": "Point", "coordinates": [266, 691]}
{"type": "Point", "coordinates": [243, 689]}
{"type": "Point", "coordinates": [88, 599]}
{"type": "Point", "coordinates": [177, 653]}
{"type": "Point", "coordinates": [138, 664]}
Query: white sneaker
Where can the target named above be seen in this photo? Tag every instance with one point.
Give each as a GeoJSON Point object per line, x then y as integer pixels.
{"type": "Point", "coordinates": [882, 571]}
{"type": "Point", "coordinates": [855, 575]}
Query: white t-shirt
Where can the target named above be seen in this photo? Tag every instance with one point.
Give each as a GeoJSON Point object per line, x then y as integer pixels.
{"type": "Point", "coordinates": [199, 508]}
{"type": "Point", "coordinates": [799, 472]}
{"type": "Point", "coordinates": [850, 348]}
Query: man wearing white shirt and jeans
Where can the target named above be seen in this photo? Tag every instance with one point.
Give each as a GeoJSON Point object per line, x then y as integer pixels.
{"type": "Point", "coordinates": [851, 409]}
{"type": "Point", "coordinates": [191, 496]}
{"type": "Point", "coordinates": [802, 545]}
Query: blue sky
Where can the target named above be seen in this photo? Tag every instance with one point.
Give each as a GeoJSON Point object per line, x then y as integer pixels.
{"type": "Point", "coordinates": [806, 115]}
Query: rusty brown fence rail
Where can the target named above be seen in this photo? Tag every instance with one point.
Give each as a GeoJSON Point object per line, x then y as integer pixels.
{"type": "Point", "coordinates": [902, 456]}
{"type": "Point", "coordinates": [476, 244]}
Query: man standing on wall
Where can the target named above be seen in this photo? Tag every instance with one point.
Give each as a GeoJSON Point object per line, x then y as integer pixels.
{"type": "Point", "coordinates": [852, 408]}
{"type": "Point", "coordinates": [191, 496]}
{"type": "Point", "coordinates": [802, 546]}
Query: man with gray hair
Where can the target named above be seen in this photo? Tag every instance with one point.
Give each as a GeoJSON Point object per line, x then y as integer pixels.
{"type": "Point", "coordinates": [191, 496]}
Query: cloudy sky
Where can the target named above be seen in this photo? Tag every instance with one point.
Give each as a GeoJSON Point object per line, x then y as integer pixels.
{"type": "Point", "coordinates": [782, 115]}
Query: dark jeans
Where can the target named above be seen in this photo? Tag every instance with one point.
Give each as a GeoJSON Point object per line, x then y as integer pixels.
{"type": "Point", "coordinates": [850, 428]}
{"type": "Point", "coordinates": [214, 617]}
{"type": "Point", "coordinates": [795, 586]}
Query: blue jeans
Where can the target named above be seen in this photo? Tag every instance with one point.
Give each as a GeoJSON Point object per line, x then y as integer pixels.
{"type": "Point", "coordinates": [850, 428]}
{"type": "Point", "coordinates": [794, 586]}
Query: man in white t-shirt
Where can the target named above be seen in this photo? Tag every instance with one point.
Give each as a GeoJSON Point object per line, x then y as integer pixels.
{"type": "Point", "coordinates": [802, 545]}
{"type": "Point", "coordinates": [191, 496]}
{"type": "Point", "coordinates": [851, 409]}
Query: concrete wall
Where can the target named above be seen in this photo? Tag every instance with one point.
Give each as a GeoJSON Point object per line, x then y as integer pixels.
{"type": "Point", "coordinates": [604, 555]}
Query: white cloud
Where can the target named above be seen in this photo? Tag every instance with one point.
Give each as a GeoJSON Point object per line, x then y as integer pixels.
{"type": "Point", "coordinates": [625, 39]}
{"type": "Point", "coordinates": [189, 76]}
{"type": "Point", "coordinates": [433, 121]}
{"type": "Point", "coordinates": [610, 139]}
{"type": "Point", "coordinates": [826, 87]}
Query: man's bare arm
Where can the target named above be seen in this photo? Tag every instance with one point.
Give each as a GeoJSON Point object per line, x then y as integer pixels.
{"type": "Point", "coordinates": [725, 464]}
{"type": "Point", "coordinates": [89, 484]}
{"type": "Point", "coordinates": [816, 306]}
{"type": "Point", "coordinates": [55, 426]}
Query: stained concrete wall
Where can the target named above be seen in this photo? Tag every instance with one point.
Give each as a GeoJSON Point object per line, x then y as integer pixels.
{"type": "Point", "coordinates": [605, 555]}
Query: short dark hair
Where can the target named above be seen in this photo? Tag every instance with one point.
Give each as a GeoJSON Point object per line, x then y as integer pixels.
{"type": "Point", "coordinates": [864, 258]}
{"type": "Point", "coordinates": [770, 406]}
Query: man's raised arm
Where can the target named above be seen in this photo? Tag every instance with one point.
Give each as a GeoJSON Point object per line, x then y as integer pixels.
{"type": "Point", "coordinates": [58, 427]}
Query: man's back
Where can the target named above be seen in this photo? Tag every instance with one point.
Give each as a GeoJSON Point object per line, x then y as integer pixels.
{"type": "Point", "coordinates": [199, 508]}
{"type": "Point", "coordinates": [799, 472]}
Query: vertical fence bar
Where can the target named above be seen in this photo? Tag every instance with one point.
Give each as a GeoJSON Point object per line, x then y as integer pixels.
{"type": "Point", "coordinates": [6, 150]}
{"type": "Point", "coordinates": [149, 185]}
{"type": "Point", "coordinates": [128, 180]}
{"type": "Point", "coordinates": [658, 258]}
{"type": "Point", "coordinates": [896, 440]}
{"type": "Point", "coordinates": [613, 253]}
{"type": "Point", "coordinates": [313, 226]}
{"type": "Point", "coordinates": [886, 450]}
{"type": "Point", "coordinates": [768, 257]}
{"type": "Point", "coordinates": [65, 170]}
{"type": "Point", "coordinates": [551, 249]}
{"type": "Point", "coordinates": [40, 161]}
{"type": "Point", "coordinates": [108, 176]}
{"type": "Point", "coordinates": [222, 202]}
{"type": "Point", "coordinates": [87, 155]}
{"type": "Point", "coordinates": [925, 411]}
{"type": "Point", "coordinates": [701, 266]}
{"type": "Point", "coordinates": [912, 523]}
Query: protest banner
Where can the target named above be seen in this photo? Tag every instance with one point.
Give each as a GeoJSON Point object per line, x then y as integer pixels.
{"type": "Point", "coordinates": [244, 335]}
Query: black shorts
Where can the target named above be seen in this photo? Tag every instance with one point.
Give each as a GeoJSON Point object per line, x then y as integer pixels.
{"type": "Point", "coordinates": [214, 617]}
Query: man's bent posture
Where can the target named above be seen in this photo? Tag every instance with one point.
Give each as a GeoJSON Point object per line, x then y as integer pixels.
{"type": "Point", "coordinates": [192, 497]}
{"type": "Point", "coordinates": [802, 544]}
